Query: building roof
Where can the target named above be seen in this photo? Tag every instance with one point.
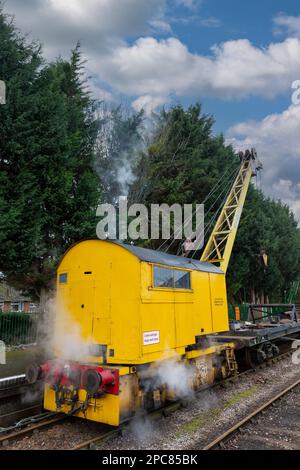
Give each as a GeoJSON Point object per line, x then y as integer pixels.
{"type": "Point", "coordinates": [9, 294]}
{"type": "Point", "coordinates": [159, 257]}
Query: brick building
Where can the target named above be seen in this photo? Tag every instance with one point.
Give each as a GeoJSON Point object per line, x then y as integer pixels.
{"type": "Point", "coordinates": [12, 300]}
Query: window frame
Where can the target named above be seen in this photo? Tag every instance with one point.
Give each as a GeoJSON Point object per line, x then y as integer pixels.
{"type": "Point", "coordinates": [65, 273]}
{"type": "Point", "coordinates": [170, 289]}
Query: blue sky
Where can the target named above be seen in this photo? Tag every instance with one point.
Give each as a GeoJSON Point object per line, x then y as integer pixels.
{"type": "Point", "coordinates": [238, 58]}
{"type": "Point", "coordinates": [235, 19]}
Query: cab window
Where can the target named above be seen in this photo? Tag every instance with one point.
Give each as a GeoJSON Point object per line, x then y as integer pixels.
{"type": "Point", "coordinates": [171, 278]}
{"type": "Point", "coordinates": [63, 278]}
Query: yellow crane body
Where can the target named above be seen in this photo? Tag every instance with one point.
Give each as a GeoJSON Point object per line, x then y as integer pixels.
{"type": "Point", "coordinates": [134, 309]}
{"type": "Point", "coordinates": [119, 296]}
{"type": "Point", "coordinates": [129, 320]}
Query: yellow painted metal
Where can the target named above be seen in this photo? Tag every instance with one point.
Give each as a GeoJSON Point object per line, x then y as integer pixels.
{"type": "Point", "coordinates": [115, 409]}
{"type": "Point", "coordinates": [108, 409]}
{"type": "Point", "coordinates": [219, 246]}
{"type": "Point", "coordinates": [104, 410]}
{"type": "Point", "coordinates": [110, 300]}
{"type": "Point", "coordinates": [215, 349]}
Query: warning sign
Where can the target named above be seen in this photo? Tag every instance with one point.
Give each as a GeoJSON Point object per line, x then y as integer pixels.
{"type": "Point", "coordinates": [151, 337]}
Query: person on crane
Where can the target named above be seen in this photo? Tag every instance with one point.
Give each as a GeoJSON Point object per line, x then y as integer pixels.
{"type": "Point", "coordinates": [188, 246]}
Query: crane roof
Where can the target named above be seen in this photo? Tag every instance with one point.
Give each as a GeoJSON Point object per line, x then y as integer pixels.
{"type": "Point", "coordinates": [159, 257]}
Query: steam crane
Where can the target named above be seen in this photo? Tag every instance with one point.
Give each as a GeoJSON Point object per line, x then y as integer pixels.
{"type": "Point", "coordinates": [146, 317]}
{"type": "Point", "coordinates": [219, 246]}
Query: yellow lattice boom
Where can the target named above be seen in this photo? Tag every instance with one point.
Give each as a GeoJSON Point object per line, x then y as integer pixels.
{"type": "Point", "coordinates": [219, 246]}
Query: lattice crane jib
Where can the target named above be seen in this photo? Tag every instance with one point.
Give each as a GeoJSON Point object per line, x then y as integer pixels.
{"type": "Point", "coordinates": [219, 246]}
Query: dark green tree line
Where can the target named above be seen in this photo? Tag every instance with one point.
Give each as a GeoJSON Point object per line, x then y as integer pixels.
{"type": "Point", "coordinates": [48, 189]}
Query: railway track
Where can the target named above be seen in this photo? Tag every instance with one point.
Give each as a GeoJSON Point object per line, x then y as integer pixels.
{"type": "Point", "coordinates": [26, 427]}
{"type": "Point", "coordinates": [220, 441]}
{"type": "Point", "coordinates": [18, 399]}
{"type": "Point", "coordinates": [43, 422]}
{"type": "Point", "coordinates": [15, 380]}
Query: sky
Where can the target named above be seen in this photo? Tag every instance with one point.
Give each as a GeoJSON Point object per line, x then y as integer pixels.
{"type": "Point", "coordinates": [238, 58]}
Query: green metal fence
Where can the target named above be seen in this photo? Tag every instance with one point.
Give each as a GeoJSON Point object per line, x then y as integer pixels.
{"type": "Point", "coordinates": [18, 328]}
{"type": "Point", "coordinates": [243, 311]}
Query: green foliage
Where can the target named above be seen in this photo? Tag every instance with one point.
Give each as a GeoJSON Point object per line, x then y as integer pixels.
{"type": "Point", "coordinates": [52, 146]}
{"type": "Point", "coordinates": [269, 225]}
{"type": "Point", "coordinates": [48, 189]}
{"type": "Point", "coordinates": [182, 164]}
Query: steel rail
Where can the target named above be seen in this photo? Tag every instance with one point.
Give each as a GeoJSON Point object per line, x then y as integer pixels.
{"type": "Point", "coordinates": [4, 440]}
{"type": "Point", "coordinates": [164, 411]}
{"type": "Point", "coordinates": [217, 441]}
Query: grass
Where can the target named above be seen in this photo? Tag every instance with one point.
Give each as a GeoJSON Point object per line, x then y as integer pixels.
{"type": "Point", "coordinates": [210, 415]}
{"type": "Point", "coordinates": [240, 396]}
{"type": "Point", "coordinates": [16, 361]}
{"type": "Point", "coordinates": [199, 421]}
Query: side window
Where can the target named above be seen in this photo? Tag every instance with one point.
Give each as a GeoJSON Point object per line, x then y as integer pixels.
{"type": "Point", "coordinates": [163, 277]}
{"type": "Point", "coordinates": [175, 279]}
{"type": "Point", "coordinates": [182, 280]}
{"type": "Point", "coordinates": [63, 278]}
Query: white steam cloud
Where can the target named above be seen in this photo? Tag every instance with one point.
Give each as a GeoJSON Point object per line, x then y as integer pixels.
{"type": "Point", "coordinates": [68, 340]}
{"type": "Point", "coordinates": [177, 376]}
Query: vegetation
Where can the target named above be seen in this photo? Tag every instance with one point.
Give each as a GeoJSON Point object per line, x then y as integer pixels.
{"type": "Point", "coordinates": [182, 164]}
{"type": "Point", "coordinates": [211, 415]}
{"type": "Point", "coordinates": [48, 189]}
{"type": "Point", "coordinates": [59, 159]}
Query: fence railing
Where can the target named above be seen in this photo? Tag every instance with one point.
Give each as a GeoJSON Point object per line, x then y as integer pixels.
{"type": "Point", "coordinates": [244, 309]}
{"type": "Point", "coordinates": [18, 328]}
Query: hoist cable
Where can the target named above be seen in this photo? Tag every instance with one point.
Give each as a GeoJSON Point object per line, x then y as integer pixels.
{"type": "Point", "coordinates": [228, 179]}
{"type": "Point", "coordinates": [225, 190]}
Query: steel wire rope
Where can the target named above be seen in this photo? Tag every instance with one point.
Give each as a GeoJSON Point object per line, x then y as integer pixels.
{"type": "Point", "coordinates": [232, 171]}
{"type": "Point", "coordinates": [227, 185]}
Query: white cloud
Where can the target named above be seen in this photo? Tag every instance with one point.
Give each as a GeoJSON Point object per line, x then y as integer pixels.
{"type": "Point", "coordinates": [291, 24]}
{"type": "Point", "coordinates": [191, 4]}
{"type": "Point", "coordinates": [160, 25]}
{"type": "Point", "coordinates": [235, 69]}
{"type": "Point", "coordinates": [276, 139]}
{"type": "Point", "coordinates": [153, 68]}
{"type": "Point", "coordinates": [99, 24]}
{"type": "Point", "coordinates": [148, 103]}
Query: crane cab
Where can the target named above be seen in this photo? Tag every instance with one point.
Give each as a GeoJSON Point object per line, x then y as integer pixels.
{"type": "Point", "coordinates": [134, 305]}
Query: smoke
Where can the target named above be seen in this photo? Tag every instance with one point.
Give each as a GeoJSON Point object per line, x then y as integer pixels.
{"type": "Point", "coordinates": [60, 334]}
{"type": "Point", "coordinates": [142, 428]}
{"type": "Point", "coordinates": [33, 395]}
{"type": "Point", "coordinates": [177, 377]}
{"type": "Point", "coordinates": [120, 141]}
{"type": "Point", "coordinates": [125, 176]}
{"type": "Point", "coordinates": [68, 340]}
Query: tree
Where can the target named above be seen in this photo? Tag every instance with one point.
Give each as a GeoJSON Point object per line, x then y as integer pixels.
{"type": "Point", "coordinates": [48, 191]}
{"type": "Point", "coordinates": [269, 225]}
{"type": "Point", "coordinates": [183, 163]}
